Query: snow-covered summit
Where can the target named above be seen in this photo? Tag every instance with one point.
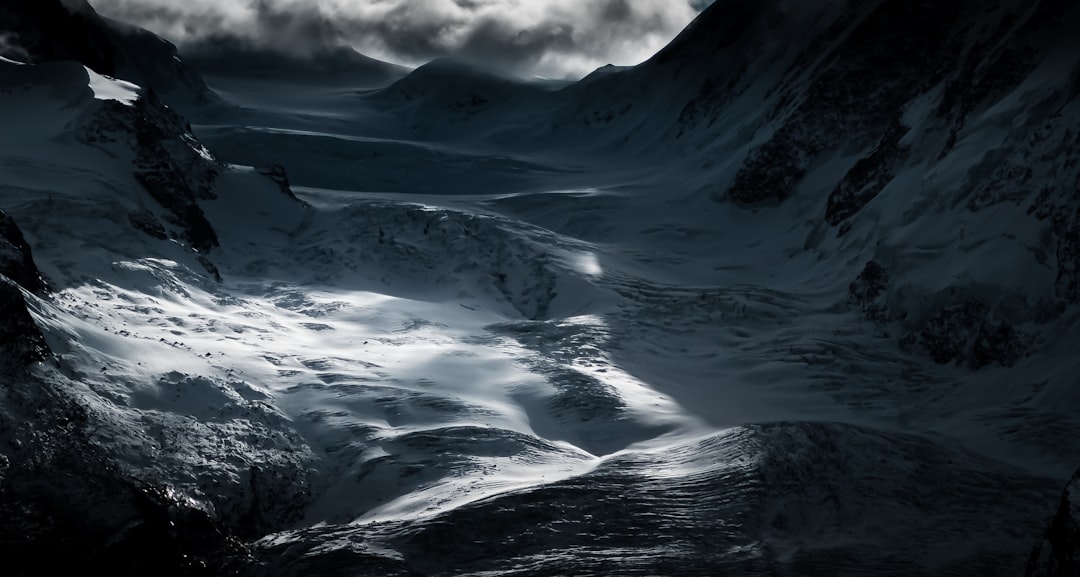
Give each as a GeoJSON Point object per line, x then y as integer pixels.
{"type": "Point", "coordinates": [48, 30]}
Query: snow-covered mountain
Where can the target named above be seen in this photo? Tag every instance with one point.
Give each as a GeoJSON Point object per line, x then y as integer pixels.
{"type": "Point", "coordinates": [797, 296]}
{"type": "Point", "coordinates": [53, 30]}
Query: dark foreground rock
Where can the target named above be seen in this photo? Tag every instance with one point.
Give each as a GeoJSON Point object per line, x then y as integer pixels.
{"type": "Point", "coordinates": [16, 258]}
{"type": "Point", "coordinates": [65, 508]}
{"type": "Point", "coordinates": [21, 341]}
{"type": "Point", "coordinates": [1058, 553]}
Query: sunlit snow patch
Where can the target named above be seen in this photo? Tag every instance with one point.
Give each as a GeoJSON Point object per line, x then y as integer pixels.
{"type": "Point", "coordinates": [588, 264]}
{"type": "Point", "coordinates": [106, 88]}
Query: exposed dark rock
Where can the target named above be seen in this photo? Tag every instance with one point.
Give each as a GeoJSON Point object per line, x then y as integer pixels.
{"type": "Point", "coordinates": [964, 333]}
{"type": "Point", "coordinates": [771, 173]}
{"type": "Point", "coordinates": [146, 222]}
{"type": "Point", "coordinates": [66, 508]}
{"type": "Point", "coordinates": [1044, 174]}
{"type": "Point", "coordinates": [704, 107]}
{"type": "Point", "coordinates": [174, 168]}
{"type": "Point", "coordinates": [967, 333]}
{"type": "Point", "coordinates": [210, 267]}
{"type": "Point", "coordinates": [277, 173]}
{"type": "Point", "coordinates": [16, 258]}
{"type": "Point", "coordinates": [992, 68]}
{"type": "Point", "coordinates": [868, 177]}
{"type": "Point", "coordinates": [1058, 553]}
{"type": "Point", "coordinates": [1068, 257]}
{"type": "Point", "coordinates": [867, 79]}
{"type": "Point", "coordinates": [170, 163]}
{"type": "Point", "coordinates": [868, 292]}
{"type": "Point", "coordinates": [21, 341]}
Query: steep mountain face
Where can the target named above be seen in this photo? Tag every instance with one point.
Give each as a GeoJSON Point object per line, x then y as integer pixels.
{"type": "Point", "coordinates": [16, 256]}
{"type": "Point", "coordinates": [169, 162]}
{"type": "Point", "coordinates": [916, 160]}
{"type": "Point", "coordinates": [873, 117]}
{"type": "Point", "coordinates": [44, 31]}
{"type": "Point", "coordinates": [1058, 553]}
{"type": "Point", "coordinates": [86, 156]}
{"type": "Point", "coordinates": [21, 342]}
{"type": "Point", "coordinates": [797, 296]}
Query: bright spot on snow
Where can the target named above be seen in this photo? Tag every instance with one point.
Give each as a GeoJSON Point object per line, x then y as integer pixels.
{"type": "Point", "coordinates": [588, 264]}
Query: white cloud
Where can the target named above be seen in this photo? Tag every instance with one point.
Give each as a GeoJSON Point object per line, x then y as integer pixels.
{"type": "Point", "coordinates": [546, 37]}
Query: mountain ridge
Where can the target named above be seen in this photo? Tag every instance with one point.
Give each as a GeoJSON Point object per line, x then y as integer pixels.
{"type": "Point", "coordinates": [269, 378]}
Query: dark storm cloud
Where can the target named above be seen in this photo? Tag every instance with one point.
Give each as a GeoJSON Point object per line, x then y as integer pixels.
{"type": "Point", "coordinates": [549, 37]}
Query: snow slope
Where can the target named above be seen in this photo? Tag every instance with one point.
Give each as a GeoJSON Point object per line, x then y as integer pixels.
{"type": "Point", "coordinates": [751, 307]}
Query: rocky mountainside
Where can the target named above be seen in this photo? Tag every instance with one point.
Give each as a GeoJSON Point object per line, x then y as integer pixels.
{"type": "Point", "coordinates": [50, 30]}
{"type": "Point", "coordinates": [924, 154]}
{"type": "Point", "coordinates": [87, 155]}
{"type": "Point", "coordinates": [21, 341]}
{"type": "Point", "coordinates": [868, 118]}
{"type": "Point", "coordinates": [867, 208]}
{"type": "Point", "coordinates": [1058, 554]}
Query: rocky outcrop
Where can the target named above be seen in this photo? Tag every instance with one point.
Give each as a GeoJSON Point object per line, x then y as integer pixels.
{"type": "Point", "coordinates": [67, 508]}
{"type": "Point", "coordinates": [277, 173]}
{"type": "Point", "coordinates": [170, 163]}
{"type": "Point", "coordinates": [868, 177]}
{"type": "Point", "coordinates": [867, 292]}
{"type": "Point", "coordinates": [885, 60]}
{"type": "Point", "coordinates": [1058, 553]}
{"type": "Point", "coordinates": [16, 258]}
{"type": "Point", "coordinates": [21, 341]}
{"type": "Point", "coordinates": [174, 168]}
{"type": "Point", "coordinates": [967, 333]}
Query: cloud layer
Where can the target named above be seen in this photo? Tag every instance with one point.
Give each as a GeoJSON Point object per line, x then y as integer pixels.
{"type": "Point", "coordinates": [556, 38]}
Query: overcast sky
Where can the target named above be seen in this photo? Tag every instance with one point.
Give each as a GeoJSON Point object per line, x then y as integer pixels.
{"type": "Point", "coordinates": [555, 38]}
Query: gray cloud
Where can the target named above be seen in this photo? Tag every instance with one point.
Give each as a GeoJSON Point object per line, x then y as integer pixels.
{"type": "Point", "coordinates": [547, 37]}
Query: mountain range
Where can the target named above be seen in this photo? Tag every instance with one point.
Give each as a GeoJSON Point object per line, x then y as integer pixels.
{"type": "Point", "coordinates": [796, 296]}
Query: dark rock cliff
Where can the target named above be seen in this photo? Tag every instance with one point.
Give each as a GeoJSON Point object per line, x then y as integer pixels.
{"type": "Point", "coordinates": [16, 257]}
{"type": "Point", "coordinates": [1058, 553]}
{"type": "Point", "coordinates": [21, 341]}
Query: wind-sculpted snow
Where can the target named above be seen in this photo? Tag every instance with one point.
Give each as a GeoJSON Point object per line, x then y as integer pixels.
{"type": "Point", "coordinates": [772, 498]}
